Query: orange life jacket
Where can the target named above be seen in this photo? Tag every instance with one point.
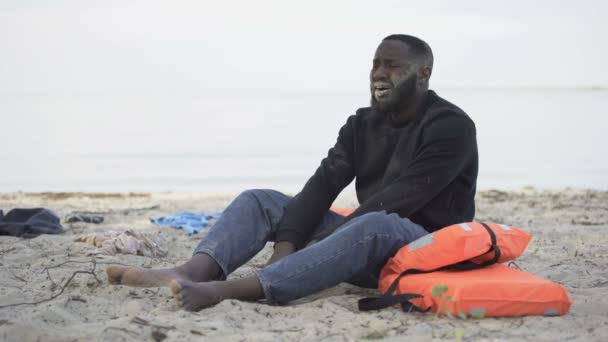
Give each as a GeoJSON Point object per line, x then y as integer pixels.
{"type": "Point", "coordinates": [455, 269]}
{"type": "Point", "coordinates": [493, 291]}
{"type": "Point", "coordinates": [477, 242]}
{"type": "Point", "coordinates": [341, 211]}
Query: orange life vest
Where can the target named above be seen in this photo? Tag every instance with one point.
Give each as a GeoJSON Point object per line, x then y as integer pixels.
{"type": "Point", "coordinates": [341, 211]}
{"type": "Point", "coordinates": [455, 268]}
{"type": "Point", "coordinates": [493, 291]}
{"type": "Point", "coordinates": [476, 242]}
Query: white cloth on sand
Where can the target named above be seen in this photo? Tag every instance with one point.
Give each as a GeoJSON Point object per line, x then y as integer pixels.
{"type": "Point", "coordinates": [126, 242]}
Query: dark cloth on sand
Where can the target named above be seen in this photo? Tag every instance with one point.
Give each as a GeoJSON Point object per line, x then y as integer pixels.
{"type": "Point", "coordinates": [29, 222]}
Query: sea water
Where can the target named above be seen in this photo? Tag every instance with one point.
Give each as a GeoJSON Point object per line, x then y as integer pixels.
{"type": "Point", "coordinates": [234, 140]}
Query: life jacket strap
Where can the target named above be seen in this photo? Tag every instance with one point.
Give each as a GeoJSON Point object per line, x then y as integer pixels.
{"type": "Point", "coordinates": [377, 303]}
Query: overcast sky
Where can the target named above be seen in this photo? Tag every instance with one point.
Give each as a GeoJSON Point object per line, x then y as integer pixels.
{"type": "Point", "coordinates": [115, 47]}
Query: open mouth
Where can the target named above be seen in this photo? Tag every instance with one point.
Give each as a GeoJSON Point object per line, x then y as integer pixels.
{"type": "Point", "coordinates": [382, 90]}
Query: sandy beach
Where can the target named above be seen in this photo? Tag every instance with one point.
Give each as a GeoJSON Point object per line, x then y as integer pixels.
{"type": "Point", "coordinates": [569, 246]}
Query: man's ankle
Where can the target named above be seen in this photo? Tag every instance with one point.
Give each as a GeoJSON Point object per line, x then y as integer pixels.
{"type": "Point", "coordinates": [201, 267]}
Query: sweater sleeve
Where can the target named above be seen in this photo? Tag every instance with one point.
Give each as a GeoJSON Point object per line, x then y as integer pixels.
{"type": "Point", "coordinates": [305, 211]}
{"type": "Point", "coordinates": [448, 143]}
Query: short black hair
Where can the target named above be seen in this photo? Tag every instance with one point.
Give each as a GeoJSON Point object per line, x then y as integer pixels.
{"type": "Point", "coordinates": [418, 46]}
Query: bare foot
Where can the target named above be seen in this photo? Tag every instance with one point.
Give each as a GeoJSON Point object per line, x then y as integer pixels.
{"type": "Point", "coordinates": [194, 296]}
{"type": "Point", "coordinates": [142, 277]}
{"type": "Point", "coordinates": [201, 267]}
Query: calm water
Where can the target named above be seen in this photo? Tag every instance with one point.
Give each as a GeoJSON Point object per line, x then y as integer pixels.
{"type": "Point", "coordinates": [230, 142]}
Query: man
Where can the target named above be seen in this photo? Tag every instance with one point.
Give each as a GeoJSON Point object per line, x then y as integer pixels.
{"type": "Point", "coordinates": [414, 157]}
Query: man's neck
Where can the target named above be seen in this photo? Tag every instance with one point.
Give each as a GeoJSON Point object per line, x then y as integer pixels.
{"type": "Point", "coordinates": [409, 112]}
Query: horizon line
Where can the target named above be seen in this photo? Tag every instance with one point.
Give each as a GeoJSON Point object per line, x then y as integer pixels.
{"type": "Point", "coordinates": [256, 91]}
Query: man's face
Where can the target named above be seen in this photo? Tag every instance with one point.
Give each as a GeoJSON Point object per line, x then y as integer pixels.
{"type": "Point", "coordinates": [393, 77]}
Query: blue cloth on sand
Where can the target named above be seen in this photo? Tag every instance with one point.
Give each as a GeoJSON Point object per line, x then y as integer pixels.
{"type": "Point", "coordinates": [191, 223]}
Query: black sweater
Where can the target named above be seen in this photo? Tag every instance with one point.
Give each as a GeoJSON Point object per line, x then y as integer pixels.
{"type": "Point", "coordinates": [425, 170]}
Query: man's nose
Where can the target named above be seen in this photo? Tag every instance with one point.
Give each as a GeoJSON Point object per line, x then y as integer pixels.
{"type": "Point", "coordinates": [379, 74]}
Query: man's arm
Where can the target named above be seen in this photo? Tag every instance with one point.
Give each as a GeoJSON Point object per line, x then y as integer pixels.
{"type": "Point", "coordinates": [305, 211]}
{"type": "Point", "coordinates": [448, 143]}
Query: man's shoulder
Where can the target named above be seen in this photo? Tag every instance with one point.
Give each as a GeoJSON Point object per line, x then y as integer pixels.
{"type": "Point", "coordinates": [440, 107]}
{"type": "Point", "coordinates": [360, 118]}
{"type": "Point", "coordinates": [363, 112]}
{"type": "Point", "coordinates": [364, 116]}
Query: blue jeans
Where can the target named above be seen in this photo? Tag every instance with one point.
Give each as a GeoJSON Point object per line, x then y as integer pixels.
{"type": "Point", "coordinates": [354, 253]}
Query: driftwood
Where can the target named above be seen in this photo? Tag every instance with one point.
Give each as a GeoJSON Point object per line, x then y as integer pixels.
{"type": "Point", "coordinates": [65, 284]}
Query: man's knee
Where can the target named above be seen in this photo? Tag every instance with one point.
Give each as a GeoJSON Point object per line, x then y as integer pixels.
{"type": "Point", "coordinates": [386, 226]}
{"type": "Point", "coordinates": [252, 193]}
{"type": "Point", "coordinates": [255, 194]}
{"type": "Point", "coordinates": [377, 222]}
{"type": "Point", "coordinates": [264, 198]}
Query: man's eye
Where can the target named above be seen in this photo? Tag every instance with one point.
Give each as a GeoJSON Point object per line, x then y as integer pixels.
{"type": "Point", "coordinates": [393, 65]}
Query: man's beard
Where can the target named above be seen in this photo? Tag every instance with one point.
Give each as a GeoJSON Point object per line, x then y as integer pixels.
{"type": "Point", "coordinates": [402, 95]}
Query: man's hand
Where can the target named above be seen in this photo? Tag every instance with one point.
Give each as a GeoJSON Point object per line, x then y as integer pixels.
{"type": "Point", "coordinates": [281, 250]}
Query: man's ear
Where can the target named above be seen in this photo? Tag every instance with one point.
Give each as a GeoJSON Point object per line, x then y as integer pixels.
{"type": "Point", "coordinates": [425, 73]}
